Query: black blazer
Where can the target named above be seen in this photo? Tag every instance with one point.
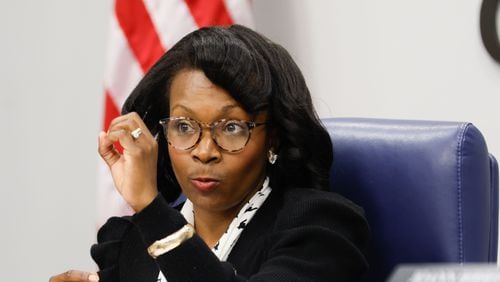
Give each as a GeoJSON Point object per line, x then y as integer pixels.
{"type": "Point", "coordinates": [297, 235]}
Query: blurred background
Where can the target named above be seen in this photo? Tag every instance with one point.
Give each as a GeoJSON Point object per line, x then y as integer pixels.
{"type": "Point", "coordinates": [379, 58]}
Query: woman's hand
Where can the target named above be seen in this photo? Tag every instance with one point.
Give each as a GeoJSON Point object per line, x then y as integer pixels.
{"type": "Point", "coordinates": [133, 171]}
{"type": "Point", "coordinates": [75, 275]}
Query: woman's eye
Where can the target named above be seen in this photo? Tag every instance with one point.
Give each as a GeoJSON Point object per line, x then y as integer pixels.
{"type": "Point", "coordinates": [184, 127]}
{"type": "Point", "coordinates": [234, 127]}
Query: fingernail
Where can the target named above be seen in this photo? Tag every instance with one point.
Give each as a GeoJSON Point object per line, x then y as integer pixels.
{"type": "Point", "coordinates": [93, 278]}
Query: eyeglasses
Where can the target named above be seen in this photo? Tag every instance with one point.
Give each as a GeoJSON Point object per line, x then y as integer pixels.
{"type": "Point", "coordinates": [230, 135]}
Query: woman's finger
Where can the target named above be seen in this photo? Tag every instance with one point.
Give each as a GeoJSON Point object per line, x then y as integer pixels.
{"type": "Point", "coordinates": [75, 276]}
{"type": "Point", "coordinates": [124, 137]}
{"type": "Point", "coordinates": [130, 122]}
{"type": "Point", "coordinates": [141, 124]}
{"type": "Point", "coordinates": [120, 119]}
{"type": "Point", "coordinates": [107, 149]}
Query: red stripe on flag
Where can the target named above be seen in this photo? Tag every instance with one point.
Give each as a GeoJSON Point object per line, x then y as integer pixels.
{"type": "Point", "coordinates": [209, 12]}
{"type": "Point", "coordinates": [140, 32]}
{"type": "Point", "coordinates": [111, 111]}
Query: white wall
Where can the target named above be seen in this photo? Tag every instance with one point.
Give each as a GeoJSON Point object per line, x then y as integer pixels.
{"type": "Point", "coordinates": [51, 69]}
{"type": "Point", "coordinates": [384, 58]}
{"type": "Point", "coordinates": [391, 58]}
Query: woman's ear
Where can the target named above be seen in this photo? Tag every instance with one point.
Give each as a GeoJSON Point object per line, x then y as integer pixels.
{"type": "Point", "coordinates": [273, 141]}
{"type": "Point", "coordinates": [272, 146]}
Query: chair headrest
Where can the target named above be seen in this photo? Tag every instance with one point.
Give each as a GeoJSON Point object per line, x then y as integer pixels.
{"type": "Point", "coordinates": [426, 187]}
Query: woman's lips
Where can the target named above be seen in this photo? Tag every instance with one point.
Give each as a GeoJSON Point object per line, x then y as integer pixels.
{"type": "Point", "coordinates": [204, 184]}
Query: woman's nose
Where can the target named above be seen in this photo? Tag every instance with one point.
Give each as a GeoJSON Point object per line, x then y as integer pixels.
{"type": "Point", "coordinates": [206, 150]}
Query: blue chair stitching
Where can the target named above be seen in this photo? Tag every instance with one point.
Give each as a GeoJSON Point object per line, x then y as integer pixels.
{"type": "Point", "coordinates": [460, 141]}
{"type": "Point", "coordinates": [493, 243]}
{"type": "Point", "coordinates": [490, 243]}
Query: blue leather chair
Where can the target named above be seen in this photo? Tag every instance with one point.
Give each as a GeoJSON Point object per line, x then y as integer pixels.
{"type": "Point", "coordinates": [429, 189]}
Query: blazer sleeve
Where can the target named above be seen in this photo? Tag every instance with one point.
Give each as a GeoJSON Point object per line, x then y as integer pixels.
{"type": "Point", "coordinates": [192, 260]}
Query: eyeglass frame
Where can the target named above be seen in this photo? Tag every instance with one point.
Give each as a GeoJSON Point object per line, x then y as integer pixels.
{"type": "Point", "coordinates": [251, 125]}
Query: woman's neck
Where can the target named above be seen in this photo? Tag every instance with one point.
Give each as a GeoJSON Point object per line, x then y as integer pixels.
{"type": "Point", "coordinates": [211, 225]}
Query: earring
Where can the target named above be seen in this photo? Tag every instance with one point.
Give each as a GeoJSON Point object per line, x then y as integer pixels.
{"type": "Point", "coordinates": [272, 157]}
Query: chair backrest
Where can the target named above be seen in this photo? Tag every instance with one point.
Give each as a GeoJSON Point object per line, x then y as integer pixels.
{"type": "Point", "coordinates": [429, 189]}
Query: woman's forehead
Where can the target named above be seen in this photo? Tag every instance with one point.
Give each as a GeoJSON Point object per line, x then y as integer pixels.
{"type": "Point", "coordinates": [192, 92]}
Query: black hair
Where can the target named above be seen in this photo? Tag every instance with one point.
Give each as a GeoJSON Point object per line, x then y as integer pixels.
{"type": "Point", "coordinates": [261, 76]}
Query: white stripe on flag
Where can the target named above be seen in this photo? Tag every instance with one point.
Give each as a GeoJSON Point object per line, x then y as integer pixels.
{"type": "Point", "coordinates": [123, 72]}
{"type": "Point", "coordinates": [172, 20]}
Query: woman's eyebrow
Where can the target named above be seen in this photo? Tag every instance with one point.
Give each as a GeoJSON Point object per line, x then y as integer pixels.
{"type": "Point", "coordinates": [225, 109]}
{"type": "Point", "coordinates": [229, 108]}
{"type": "Point", "coordinates": [182, 107]}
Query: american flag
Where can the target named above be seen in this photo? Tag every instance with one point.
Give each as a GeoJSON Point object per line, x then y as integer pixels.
{"type": "Point", "coordinates": [140, 32]}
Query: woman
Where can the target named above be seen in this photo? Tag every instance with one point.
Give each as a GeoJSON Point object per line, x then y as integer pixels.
{"type": "Point", "coordinates": [225, 117]}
